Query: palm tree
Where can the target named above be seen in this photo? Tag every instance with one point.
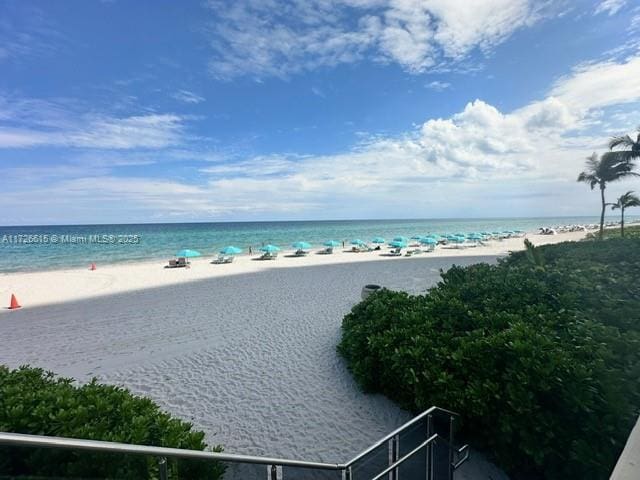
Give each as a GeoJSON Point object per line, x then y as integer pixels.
{"type": "Point", "coordinates": [625, 201]}
{"type": "Point", "coordinates": [631, 148]}
{"type": "Point", "coordinates": [608, 168]}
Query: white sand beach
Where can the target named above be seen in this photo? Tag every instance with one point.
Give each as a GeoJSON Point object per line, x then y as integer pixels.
{"type": "Point", "coordinates": [59, 286]}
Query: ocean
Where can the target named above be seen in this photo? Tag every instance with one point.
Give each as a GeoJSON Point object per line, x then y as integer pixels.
{"type": "Point", "coordinates": [33, 248]}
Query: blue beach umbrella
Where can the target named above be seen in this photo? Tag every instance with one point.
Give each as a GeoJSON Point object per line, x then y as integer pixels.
{"type": "Point", "coordinates": [186, 253]}
{"type": "Point", "coordinates": [270, 248]}
{"type": "Point", "coordinates": [331, 243]}
{"type": "Point", "coordinates": [398, 244]}
{"type": "Point", "coordinates": [377, 240]}
{"type": "Point", "coordinates": [428, 241]}
{"type": "Point", "coordinates": [357, 241]}
{"type": "Point", "coordinates": [301, 245]}
{"type": "Point", "coordinates": [230, 250]}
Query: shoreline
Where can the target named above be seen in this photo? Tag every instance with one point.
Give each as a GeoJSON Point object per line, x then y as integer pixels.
{"type": "Point", "coordinates": [49, 287]}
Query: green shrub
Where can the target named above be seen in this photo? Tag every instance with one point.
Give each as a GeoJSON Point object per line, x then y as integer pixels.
{"type": "Point", "coordinates": [541, 362]}
{"type": "Point", "coordinates": [36, 402]}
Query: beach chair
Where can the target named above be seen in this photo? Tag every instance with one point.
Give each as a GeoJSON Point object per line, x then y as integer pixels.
{"type": "Point", "coordinates": [326, 251]}
{"type": "Point", "coordinates": [396, 252]}
{"type": "Point", "coordinates": [269, 256]}
{"type": "Point", "coordinates": [300, 253]}
{"type": "Point", "coordinates": [182, 262]}
{"type": "Point", "coordinates": [223, 259]}
{"type": "Point", "coordinates": [172, 264]}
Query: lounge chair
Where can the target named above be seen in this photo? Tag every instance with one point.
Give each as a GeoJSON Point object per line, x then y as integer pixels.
{"type": "Point", "coordinates": [269, 256]}
{"type": "Point", "coordinates": [223, 259]}
{"type": "Point", "coordinates": [396, 252]}
{"type": "Point", "coordinates": [326, 251]}
{"type": "Point", "coordinates": [300, 253]}
{"type": "Point", "coordinates": [182, 262]}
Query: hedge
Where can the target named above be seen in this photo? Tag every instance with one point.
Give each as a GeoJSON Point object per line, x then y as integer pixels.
{"type": "Point", "coordinates": [540, 354]}
{"type": "Point", "coordinates": [37, 402]}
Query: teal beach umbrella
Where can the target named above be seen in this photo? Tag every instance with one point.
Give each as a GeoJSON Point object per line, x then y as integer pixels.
{"type": "Point", "coordinates": [401, 239]}
{"type": "Point", "coordinates": [377, 240]}
{"type": "Point", "coordinates": [301, 245]}
{"type": "Point", "coordinates": [357, 241]}
{"type": "Point", "coordinates": [230, 250]}
{"type": "Point", "coordinates": [428, 241]}
{"type": "Point", "coordinates": [186, 253]}
{"type": "Point", "coordinates": [331, 243]}
{"type": "Point", "coordinates": [270, 248]}
{"type": "Point", "coordinates": [398, 244]}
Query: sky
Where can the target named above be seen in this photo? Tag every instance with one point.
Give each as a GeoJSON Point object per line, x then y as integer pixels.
{"type": "Point", "coordinates": [119, 111]}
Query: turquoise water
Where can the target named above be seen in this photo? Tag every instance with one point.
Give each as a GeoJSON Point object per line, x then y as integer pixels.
{"type": "Point", "coordinates": [35, 248]}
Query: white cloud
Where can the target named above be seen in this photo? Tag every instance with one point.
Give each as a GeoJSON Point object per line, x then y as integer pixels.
{"type": "Point", "coordinates": [278, 38]}
{"type": "Point", "coordinates": [188, 97]}
{"type": "Point", "coordinates": [28, 123]}
{"type": "Point", "coordinates": [438, 86]}
{"type": "Point", "coordinates": [610, 7]}
{"type": "Point", "coordinates": [598, 85]}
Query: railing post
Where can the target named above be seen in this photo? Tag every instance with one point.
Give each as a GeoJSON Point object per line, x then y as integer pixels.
{"type": "Point", "coordinates": [273, 473]}
{"type": "Point", "coordinates": [346, 474]}
{"type": "Point", "coordinates": [162, 468]}
{"type": "Point", "coordinates": [451, 447]}
{"type": "Point", "coordinates": [430, 448]}
{"type": "Point", "coordinates": [394, 452]}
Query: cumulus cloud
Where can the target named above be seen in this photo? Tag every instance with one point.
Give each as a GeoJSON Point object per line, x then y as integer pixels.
{"type": "Point", "coordinates": [280, 38]}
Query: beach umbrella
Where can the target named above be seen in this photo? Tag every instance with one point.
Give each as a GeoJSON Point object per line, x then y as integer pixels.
{"type": "Point", "coordinates": [186, 253]}
{"type": "Point", "coordinates": [230, 250]}
{"type": "Point", "coordinates": [400, 239]}
{"type": "Point", "coordinates": [357, 241]}
{"type": "Point", "coordinates": [416, 237]}
{"type": "Point", "coordinates": [270, 248]}
{"type": "Point", "coordinates": [398, 244]}
{"type": "Point", "coordinates": [331, 243]}
{"type": "Point", "coordinates": [301, 245]}
{"type": "Point", "coordinates": [378, 240]}
{"type": "Point", "coordinates": [428, 241]}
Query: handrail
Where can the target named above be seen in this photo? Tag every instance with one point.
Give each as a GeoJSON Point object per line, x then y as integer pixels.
{"type": "Point", "coordinates": [24, 440]}
{"type": "Point", "coordinates": [397, 431]}
{"type": "Point", "coordinates": [42, 441]}
{"type": "Point", "coordinates": [403, 459]}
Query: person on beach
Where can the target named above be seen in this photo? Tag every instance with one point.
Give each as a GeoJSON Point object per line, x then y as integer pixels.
{"type": "Point", "coordinates": [249, 249]}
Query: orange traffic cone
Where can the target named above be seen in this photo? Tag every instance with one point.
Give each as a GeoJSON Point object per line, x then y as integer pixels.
{"type": "Point", "coordinates": [14, 303]}
{"type": "Point", "coordinates": [92, 267]}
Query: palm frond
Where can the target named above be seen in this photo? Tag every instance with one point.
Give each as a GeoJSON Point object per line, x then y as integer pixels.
{"type": "Point", "coordinates": [622, 141]}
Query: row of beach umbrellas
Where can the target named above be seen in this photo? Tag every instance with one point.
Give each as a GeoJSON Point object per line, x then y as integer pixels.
{"type": "Point", "coordinates": [397, 242]}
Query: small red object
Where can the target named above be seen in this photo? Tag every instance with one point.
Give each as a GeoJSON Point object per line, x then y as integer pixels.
{"type": "Point", "coordinates": [92, 267]}
{"type": "Point", "coordinates": [14, 303]}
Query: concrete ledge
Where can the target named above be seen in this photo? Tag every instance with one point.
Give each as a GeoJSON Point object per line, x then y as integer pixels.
{"type": "Point", "coordinates": [628, 466]}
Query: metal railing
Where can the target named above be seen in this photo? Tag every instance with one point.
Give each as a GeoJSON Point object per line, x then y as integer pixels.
{"type": "Point", "coordinates": [374, 463]}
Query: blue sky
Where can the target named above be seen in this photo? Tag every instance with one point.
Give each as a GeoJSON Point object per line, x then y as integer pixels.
{"type": "Point", "coordinates": [128, 111]}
